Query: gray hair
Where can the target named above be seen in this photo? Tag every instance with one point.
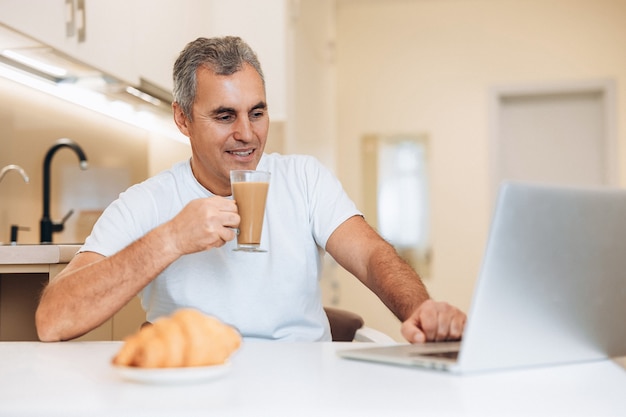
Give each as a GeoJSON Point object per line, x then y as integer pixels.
{"type": "Point", "coordinates": [223, 55]}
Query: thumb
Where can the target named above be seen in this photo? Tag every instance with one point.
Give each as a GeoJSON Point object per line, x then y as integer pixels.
{"type": "Point", "coordinates": [412, 333]}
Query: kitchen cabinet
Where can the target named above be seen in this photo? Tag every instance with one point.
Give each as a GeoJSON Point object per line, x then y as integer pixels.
{"type": "Point", "coordinates": [129, 39]}
{"type": "Point", "coordinates": [108, 43]}
{"type": "Point", "coordinates": [24, 271]}
{"type": "Point", "coordinates": [161, 31]}
{"type": "Point", "coordinates": [108, 30]}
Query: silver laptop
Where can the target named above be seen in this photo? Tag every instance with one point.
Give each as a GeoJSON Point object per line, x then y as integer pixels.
{"type": "Point", "coordinates": [552, 287]}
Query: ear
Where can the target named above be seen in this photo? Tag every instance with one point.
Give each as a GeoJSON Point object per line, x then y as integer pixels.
{"type": "Point", "coordinates": [180, 119]}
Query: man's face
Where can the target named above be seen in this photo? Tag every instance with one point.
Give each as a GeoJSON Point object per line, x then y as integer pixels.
{"type": "Point", "coordinates": [229, 127]}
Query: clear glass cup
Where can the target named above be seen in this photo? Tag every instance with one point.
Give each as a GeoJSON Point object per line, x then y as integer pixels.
{"type": "Point", "coordinates": [250, 193]}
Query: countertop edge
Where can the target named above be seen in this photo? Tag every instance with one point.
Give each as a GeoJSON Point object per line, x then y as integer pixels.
{"type": "Point", "coordinates": [37, 254]}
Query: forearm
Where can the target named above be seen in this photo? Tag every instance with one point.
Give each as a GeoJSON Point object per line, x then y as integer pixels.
{"type": "Point", "coordinates": [394, 281]}
{"type": "Point", "coordinates": [92, 289]}
{"type": "Point", "coordinates": [359, 249]}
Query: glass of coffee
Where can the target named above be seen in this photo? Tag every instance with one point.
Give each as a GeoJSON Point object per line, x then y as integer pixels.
{"type": "Point", "coordinates": [250, 193]}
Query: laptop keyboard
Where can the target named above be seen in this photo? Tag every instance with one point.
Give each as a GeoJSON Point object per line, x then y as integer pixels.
{"type": "Point", "coordinates": [451, 354]}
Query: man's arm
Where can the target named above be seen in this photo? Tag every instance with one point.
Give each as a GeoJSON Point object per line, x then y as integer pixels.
{"type": "Point", "coordinates": [92, 288]}
{"type": "Point", "coordinates": [361, 251]}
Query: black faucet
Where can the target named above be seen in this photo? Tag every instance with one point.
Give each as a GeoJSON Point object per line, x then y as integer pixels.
{"type": "Point", "coordinates": [47, 227]}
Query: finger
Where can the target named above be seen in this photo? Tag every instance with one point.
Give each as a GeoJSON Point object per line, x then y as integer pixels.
{"type": "Point", "coordinates": [429, 323]}
{"type": "Point", "coordinates": [226, 234]}
{"type": "Point", "coordinates": [411, 332]}
{"type": "Point", "coordinates": [226, 204]}
{"type": "Point", "coordinates": [451, 322]}
{"type": "Point", "coordinates": [446, 315]}
{"type": "Point", "coordinates": [232, 220]}
{"type": "Point", "coordinates": [443, 329]}
{"type": "Point", "coordinates": [231, 234]}
{"type": "Point", "coordinates": [457, 326]}
{"type": "Point", "coordinates": [418, 336]}
{"type": "Point", "coordinates": [229, 206]}
{"type": "Point", "coordinates": [421, 325]}
{"type": "Point", "coordinates": [219, 203]}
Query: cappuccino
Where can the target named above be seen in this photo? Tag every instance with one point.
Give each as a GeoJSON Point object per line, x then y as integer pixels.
{"type": "Point", "coordinates": [250, 193]}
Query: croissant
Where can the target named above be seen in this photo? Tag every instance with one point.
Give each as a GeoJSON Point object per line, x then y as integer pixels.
{"type": "Point", "coordinates": [187, 338]}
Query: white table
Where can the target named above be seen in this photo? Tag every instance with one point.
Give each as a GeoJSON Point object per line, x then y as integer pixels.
{"type": "Point", "coordinates": [296, 379]}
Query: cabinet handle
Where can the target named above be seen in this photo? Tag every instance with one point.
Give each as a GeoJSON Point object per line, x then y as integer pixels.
{"type": "Point", "coordinates": [70, 26]}
{"type": "Point", "coordinates": [82, 23]}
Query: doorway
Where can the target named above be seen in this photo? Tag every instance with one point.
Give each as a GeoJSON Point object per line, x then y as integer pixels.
{"type": "Point", "coordinates": [558, 134]}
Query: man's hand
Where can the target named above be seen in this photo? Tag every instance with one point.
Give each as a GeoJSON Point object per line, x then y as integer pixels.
{"type": "Point", "coordinates": [434, 321]}
{"type": "Point", "coordinates": [203, 224]}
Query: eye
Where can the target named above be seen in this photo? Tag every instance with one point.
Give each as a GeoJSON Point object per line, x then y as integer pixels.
{"type": "Point", "coordinates": [257, 114]}
{"type": "Point", "coordinates": [225, 117]}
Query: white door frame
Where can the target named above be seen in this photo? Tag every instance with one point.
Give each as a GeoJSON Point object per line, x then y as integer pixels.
{"type": "Point", "coordinates": [607, 90]}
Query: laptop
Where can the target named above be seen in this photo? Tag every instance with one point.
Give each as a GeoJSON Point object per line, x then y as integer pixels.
{"type": "Point", "coordinates": [551, 290]}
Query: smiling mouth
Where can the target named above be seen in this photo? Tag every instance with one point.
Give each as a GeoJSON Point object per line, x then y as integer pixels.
{"type": "Point", "coordinates": [241, 153]}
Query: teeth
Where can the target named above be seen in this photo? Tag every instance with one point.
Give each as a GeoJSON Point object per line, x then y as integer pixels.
{"type": "Point", "coordinates": [246, 153]}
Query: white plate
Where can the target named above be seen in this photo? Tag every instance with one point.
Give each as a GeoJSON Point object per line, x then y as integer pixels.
{"type": "Point", "coordinates": [172, 375]}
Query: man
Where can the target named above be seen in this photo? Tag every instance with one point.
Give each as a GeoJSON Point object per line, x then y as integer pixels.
{"type": "Point", "coordinates": [170, 238]}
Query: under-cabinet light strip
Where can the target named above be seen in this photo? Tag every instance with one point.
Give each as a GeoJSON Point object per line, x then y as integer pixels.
{"type": "Point", "coordinates": [97, 102]}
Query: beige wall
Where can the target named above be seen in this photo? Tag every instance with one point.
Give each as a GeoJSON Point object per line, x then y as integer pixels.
{"type": "Point", "coordinates": [312, 110]}
{"type": "Point", "coordinates": [428, 66]}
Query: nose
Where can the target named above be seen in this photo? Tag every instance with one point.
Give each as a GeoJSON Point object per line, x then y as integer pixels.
{"type": "Point", "coordinates": [243, 129]}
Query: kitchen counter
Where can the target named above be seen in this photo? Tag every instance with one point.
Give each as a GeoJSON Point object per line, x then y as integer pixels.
{"type": "Point", "coordinates": [24, 271]}
{"type": "Point", "coordinates": [37, 254]}
{"type": "Point", "coordinates": [295, 379]}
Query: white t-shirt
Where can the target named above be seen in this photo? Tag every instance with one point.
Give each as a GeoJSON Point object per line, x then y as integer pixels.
{"type": "Point", "coordinates": [271, 295]}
